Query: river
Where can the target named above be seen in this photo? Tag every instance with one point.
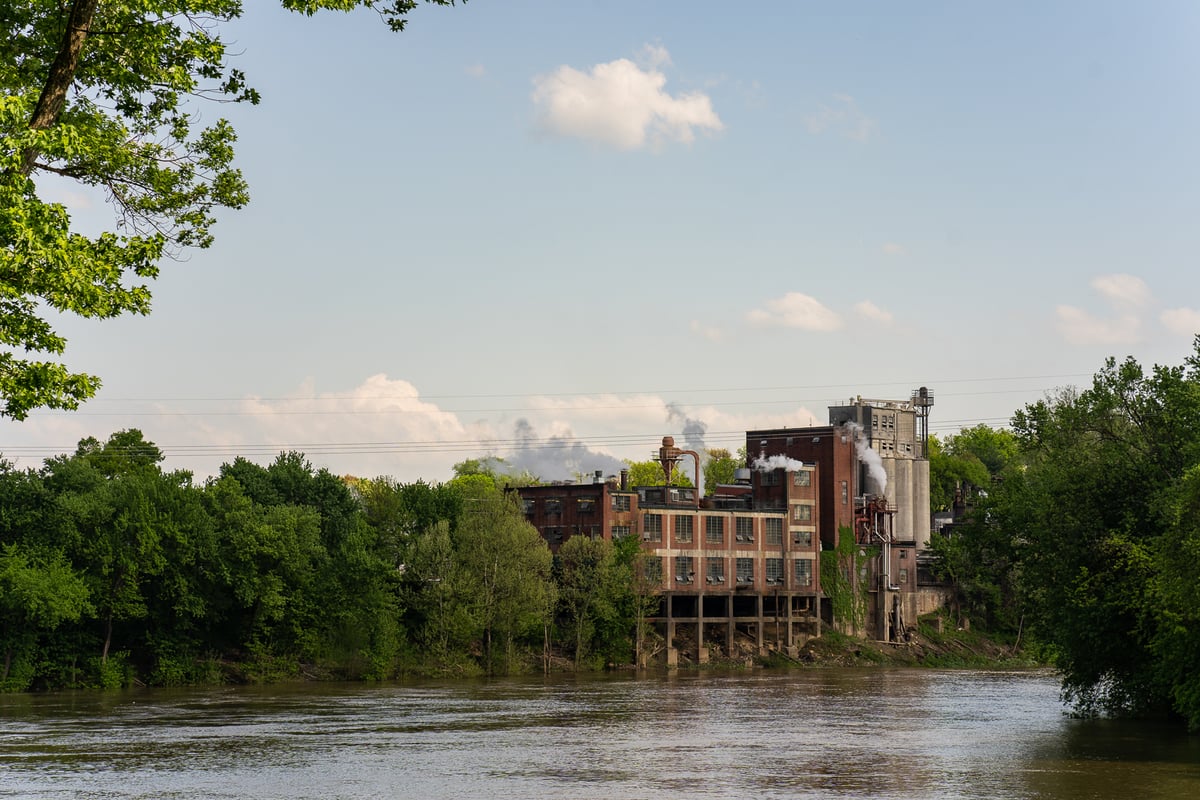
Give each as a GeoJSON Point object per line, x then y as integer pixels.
{"type": "Point", "coordinates": [865, 733]}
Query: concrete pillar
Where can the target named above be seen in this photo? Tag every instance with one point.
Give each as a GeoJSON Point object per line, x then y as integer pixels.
{"type": "Point", "coordinates": [761, 622]}
{"type": "Point", "coordinates": [729, 626]}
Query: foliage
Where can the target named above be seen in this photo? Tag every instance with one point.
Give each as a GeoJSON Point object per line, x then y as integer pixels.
{"type": "Point", "coordinates": [589, 578]}
{"type": "Point", "coordinates": [719, 468]}
{"type": "Point", "coordinates": [1098, 525]}
{"type": "Point", "coordinates": [650, 473]}
{"type": "Point", "coordinates": [103, 95]}
{"type": "Point", "coordinates": [841, 583]}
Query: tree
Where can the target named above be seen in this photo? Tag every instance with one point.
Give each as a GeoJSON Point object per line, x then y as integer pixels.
{"type": "Point", "coordinates": [720, 467]}
{"type": "Point", "coordinates": [650, 473]}
{"type": "Point", "coordinates": [38, 592]}
{"type": "Point", "coordinates": [103, 94]}
{"type": "Point", "coordinates": [587, 578]}
{"type": "Point", "coordinates": [507, 566]}
{"type": "Point", "coordinates": [1102, 514]}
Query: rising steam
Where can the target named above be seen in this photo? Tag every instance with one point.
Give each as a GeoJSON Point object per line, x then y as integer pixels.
{"type": "Point", "coordinates": [767, 464]}
{"type": "Point", "coordinates": [869, 458]}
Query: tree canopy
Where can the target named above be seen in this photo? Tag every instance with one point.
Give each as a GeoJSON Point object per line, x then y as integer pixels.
{"type": "Point", "coordinates": [1090, 537]}
{"type": "Point", "coordinates": [104, 95]}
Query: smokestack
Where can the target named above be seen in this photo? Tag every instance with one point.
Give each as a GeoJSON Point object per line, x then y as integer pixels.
{"type": "Point", "coordinates": [624, 480]}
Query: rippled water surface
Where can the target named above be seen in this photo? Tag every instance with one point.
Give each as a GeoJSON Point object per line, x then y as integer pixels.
{"type": "Point", "coordinates": [814, 733]}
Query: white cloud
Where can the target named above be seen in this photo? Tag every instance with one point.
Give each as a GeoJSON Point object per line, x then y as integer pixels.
{"type": "Point", "coordinates": [1123, 291]}
{"type": "Point", "coordinates": [1183, 321]}
{"type": "Point", "coordinates": [1126, 295]}
{"type": "Point", "coordinates": [654, 56]}
{"type": "Point", "coordinates": [893, 249]}
{"type": "Point", "coordinates": [621, 105]}
{"type": "Point", "coordinates": [709, 332]}
{"type": "Point", "coordinates": [869, 310]}
{"type": "Point", "coordinates": [796, 310]}
{"type": "Point", "coordinates": [476, 70]}
{"type": "Point", "coordinates": [384, 427]}
{"type": "Point", "coordinates": [1079, 327]}
{"type": "Point", "coordinates": [843, 117]}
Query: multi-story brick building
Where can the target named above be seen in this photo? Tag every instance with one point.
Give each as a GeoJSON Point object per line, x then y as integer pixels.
{"type": "Point", "coordinates": [747, 557]}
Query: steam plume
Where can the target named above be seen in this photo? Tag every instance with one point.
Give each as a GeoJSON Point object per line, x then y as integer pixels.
{"type": "Point", "coordinates": [765, 464]}
{"type": "Point", "coordinates": [868, 457]}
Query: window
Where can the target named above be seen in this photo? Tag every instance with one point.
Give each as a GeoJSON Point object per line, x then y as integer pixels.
{"type": "Point", "coordinates": [802, 477]}
{"type": "Point", "coordinates": [683, 529]}
{"type": "Point", "coordinates": [802, 538]}
{"type": "Point", "coordinates": [903, 576]}
{"type": "Point", "coordinates": [774, 530]}
{"type": "Point", "coordinates": [745, 529]}
{"type": "Point", "coordinates": [553, 505]}
{"type": "Point", "coordinates": [529, 504]}
{"type": "Point", "coordinates": [684, 573]}
{"type": "Point", "coordinates": [775, 571]}
{"type": "Point", "coordinates": [620, 502]}
{"type": "Point", "coordinates": [714, 530]}
{"type": "Point", "coordinates": [845, 493]}
{"type": "Point", "coordinates": [620, 531]}
{"type": "Point", "coordinates": [652, 570]}
{"type": "Point", "coordinates": [904, 554]}
{"type": "Point", "coordinates": [769, 478]}
{"type": "Point", "coordinates": [801, 513]}
{"type": "Point", "coordinates": [587, 505]}
{"type": "Point", "coordinates": [652, 527]}
{"type": "Point", "coordinates": [715, 572]}
{"type": "Point", "coordinates": [552, 535]}
{"type": "Point", "coordinates": [804, 571]}
{"type": "Point", "coordinates": [745, 570]}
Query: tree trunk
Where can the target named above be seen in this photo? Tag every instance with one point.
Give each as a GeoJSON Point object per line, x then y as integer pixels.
{"type": "Point", "coordinates": [53, 99]}
{"type": "Point", "coordinates": [107, 639]}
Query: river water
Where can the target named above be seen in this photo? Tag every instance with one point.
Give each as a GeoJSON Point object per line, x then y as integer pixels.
{"type": "Point", "coordinates": [800, 734]}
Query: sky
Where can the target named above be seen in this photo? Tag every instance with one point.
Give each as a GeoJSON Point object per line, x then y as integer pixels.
{"type": "Point", "coordinates": [555, 232]}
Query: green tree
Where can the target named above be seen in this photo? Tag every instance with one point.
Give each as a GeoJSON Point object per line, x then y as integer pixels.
{"type": "Point", "coordinates": [650, 473]}
{"type": "Point", "coordinates": [103, 94]}
{"type": "Point", "coordinates": [588, 579]}
{"type": "Point", "coordinates": [38, 592]}
{"type": "Point", "coordinates": [720, 468]}
{"type": "Point", "coordinates": [507, 567]}
{"type": "Point", "coordinates": [1101, 514]}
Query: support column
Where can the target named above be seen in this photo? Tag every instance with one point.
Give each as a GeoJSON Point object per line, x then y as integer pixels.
{"type": "Point", "coordinates": [729, 630]}
{"type": "Point", "coordinates": [701, 650]}
{"type": "Point", "coordinates": [758, 602]}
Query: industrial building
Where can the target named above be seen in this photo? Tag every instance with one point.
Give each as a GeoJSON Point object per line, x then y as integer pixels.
{"type": "Point", "coordinates": [746, 557]}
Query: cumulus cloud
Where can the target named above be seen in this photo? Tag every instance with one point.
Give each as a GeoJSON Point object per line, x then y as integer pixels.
{"type": "Point", "coordinates": [1183, 321]}
{"type": "Point", "coordinates": [1126, 295]}
{"type": "Point", "coordinates": [621, 104]}
{"type": "Point", "coordinates": [1079, 327]}
{"type": "Point", "coordinates": [384, 426]}
{"type": "Point", "coordinates": [868, 310]}
{"type": "Point", "coordinates": [1123, 291]}
{"type": "Point", "coordinates": [796, 310]}
{"type": "Point", "coordinates": [842, 116]}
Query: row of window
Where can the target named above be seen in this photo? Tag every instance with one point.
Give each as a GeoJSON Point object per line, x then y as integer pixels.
{"type": "Point", "coordinates": [714, 528]}
{"type": "Point", "coordinates": [801, 477]}
{"type": "Point", "coordinates": [715, 571]}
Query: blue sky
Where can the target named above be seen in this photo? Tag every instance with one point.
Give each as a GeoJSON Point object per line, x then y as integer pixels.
{"type": "Point", "coordinates": [524, 224]}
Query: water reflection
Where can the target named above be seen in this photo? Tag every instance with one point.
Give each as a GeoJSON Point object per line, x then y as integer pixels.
{"type": "Point", "coordinates": [812, 733]}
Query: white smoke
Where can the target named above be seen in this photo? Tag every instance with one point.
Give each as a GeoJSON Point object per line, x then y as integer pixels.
{"type": "Point", "coordinates": [869, 458]}
{"type": "Point", "coordinates": [765, 464]}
